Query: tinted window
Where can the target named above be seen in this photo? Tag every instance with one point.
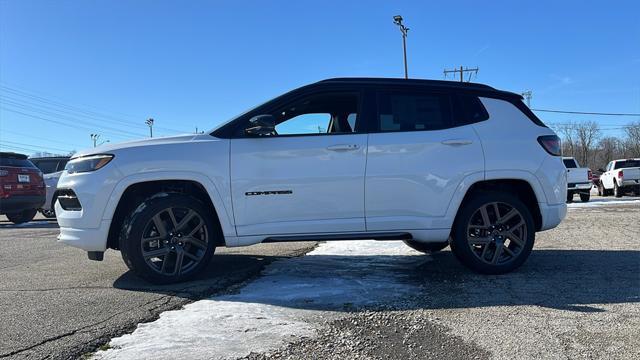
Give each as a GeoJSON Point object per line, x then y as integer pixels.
{"type": "Point", "coordinates": [569, 163]}
{"type": "Point", "coordinates": [62, 164]}
{"type": "Point", "coordinates": [413, 112]}
{"type": "Point", "coordinates": [469, 109]}
{"type": "Point", "coordinates": [4, 161]}
{"type": "Point", "coordinates": [330, 113]}
{"type": "Point", "coordinates": [47, 166]}
{"type": "Point", "coordinates": [627, 164]}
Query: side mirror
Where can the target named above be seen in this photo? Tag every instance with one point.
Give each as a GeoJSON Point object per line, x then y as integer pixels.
{"type": "Point", "coordinates": [601, 170]}
{"type": "Point", "coordinates": [261, 125]}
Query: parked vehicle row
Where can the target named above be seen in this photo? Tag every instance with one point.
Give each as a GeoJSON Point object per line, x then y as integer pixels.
{"type": "Point", "coordinates": [620, 177]}
{"type": "Point", "coordinates": [433, 163]}
{"type": "Point", "coordinates": [578, 180]}
{"type": "Point", "coordinates": [22, 189]}
{"type": "Point", "coordinates": [52, 168]}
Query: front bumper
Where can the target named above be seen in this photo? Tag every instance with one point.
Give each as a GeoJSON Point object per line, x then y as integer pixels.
{"type": "Point", "coordinates": [87, 228]}
{"type": "Point", "coordinates": [85, 239]}
{"type": "Point", "coordinates": [18, 203]}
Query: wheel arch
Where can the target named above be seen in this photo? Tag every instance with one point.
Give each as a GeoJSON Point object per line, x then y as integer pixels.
{"type": "Point", "coordinates": [139, 191]}
{"type": "Point", "coordinates": [519, 187]}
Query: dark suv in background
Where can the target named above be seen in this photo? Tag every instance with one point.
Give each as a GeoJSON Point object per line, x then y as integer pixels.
{"type": "Point", "coordinates": [22, 189]}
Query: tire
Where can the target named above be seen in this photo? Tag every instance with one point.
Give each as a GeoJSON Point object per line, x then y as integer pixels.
{"type": "Point", "coordinates": [22, 217]}
{"type": "Point", "coordinates": [49, 214]}
{"type": "Point", "coordinates": [474, 237]}
{"type": "Point", "coordinates": [585, 197]}
{"type": "Point", "coordinates": [616, 190]}
{"type": "Point", "coordinates": [165, 221]}
{"type": "Point", "coordinates": [427, 248]}
{"type": "Point", "coordinates": [569, 196]}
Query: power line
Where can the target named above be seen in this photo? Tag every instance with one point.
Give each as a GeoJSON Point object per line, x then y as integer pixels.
{"type": "Point", "coordinates": [14, 91]}
{"type": "Point", "coordinates": [37, 146]}
{"type": "Point", "coordinates": [585, 113]}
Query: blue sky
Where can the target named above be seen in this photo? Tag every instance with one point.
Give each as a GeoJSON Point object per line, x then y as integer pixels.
{"type": "Point", "coordinates": [106, 66]}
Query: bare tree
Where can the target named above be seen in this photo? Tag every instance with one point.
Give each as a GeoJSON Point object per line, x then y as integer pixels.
{"type": "Point", "coordinates": [587, 135]}
{"type": "Point", "coordinates": [609, 148]}
{"type": "Point", "coordinates": [632, 143]}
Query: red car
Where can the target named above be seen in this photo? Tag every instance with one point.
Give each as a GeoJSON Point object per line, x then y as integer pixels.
{"type": "Point", "coordinates": [22, 189]}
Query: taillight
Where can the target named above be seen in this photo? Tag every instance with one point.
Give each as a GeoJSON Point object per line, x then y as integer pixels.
{"type": "Point", "coordinates": [620, 174]}
{"type": "Point", "coordinates": [589, 175]}
{"type": "Point", "coordinates": [551, 144]}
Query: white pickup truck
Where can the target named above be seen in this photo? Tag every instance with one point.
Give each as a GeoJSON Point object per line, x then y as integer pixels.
{"type": "Point", "coordinates": [578, 180]}
{"type": "Point", "coordinates": [620, 177]}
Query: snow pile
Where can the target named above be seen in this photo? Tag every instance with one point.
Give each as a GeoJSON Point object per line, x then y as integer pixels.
{"type": "Point", "coordinates": [282, 303]}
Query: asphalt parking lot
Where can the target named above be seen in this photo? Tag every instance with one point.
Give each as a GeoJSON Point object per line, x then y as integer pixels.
{"type": "Point", "coordinates": [57, 304]}
{"type": "Point", "coordinates": [577, 296]}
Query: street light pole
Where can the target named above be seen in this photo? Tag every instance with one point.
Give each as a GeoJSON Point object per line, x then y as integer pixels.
{"type": "Point", "coordinates": [94, 138]}
{"type": "Point", "coordinates": [149, 123]}
{"type": "Point", "coordinates": [403, 29]}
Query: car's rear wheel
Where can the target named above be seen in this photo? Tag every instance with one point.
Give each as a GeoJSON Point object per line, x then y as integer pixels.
{"type": "Point", "coordinates": [616, 190]}
{"type": "Point", "coordinates": [427, 248]}
{"type": "Point", "coordinates": [493, 233]}
{"type": "Point", "coordinates": [22, 216]}
{"type": "Point", "coordinates": [585, 197]}
{"type": "Point", "coordinates": [168, 238]}
{"type": "Point", "coordinates": [569, 196]}
{"type": "Point", "coordinates": [49, 213]}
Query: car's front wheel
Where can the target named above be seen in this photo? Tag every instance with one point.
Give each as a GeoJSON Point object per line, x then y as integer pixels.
{"type": "Point", "coordinates": [22, 216]}
{"type": "Point", "coordinates": [168, 238]}
{"type": "Point", "coordinates": [427, 248]}
{"type": "Point", "coordinates": [493, 233]}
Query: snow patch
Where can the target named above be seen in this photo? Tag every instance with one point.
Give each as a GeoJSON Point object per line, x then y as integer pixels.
{"type": "Point", "coordinates": [604, 202]}
{"type": "Point", "coordinates": [285, 301]}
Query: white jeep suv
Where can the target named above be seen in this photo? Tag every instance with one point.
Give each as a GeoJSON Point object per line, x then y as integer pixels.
{"type": "Point", "coordinates": [432, 163]}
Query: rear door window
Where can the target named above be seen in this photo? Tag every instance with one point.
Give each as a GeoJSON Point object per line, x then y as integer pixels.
{"type": "Point", "coordinates": [413, 111]}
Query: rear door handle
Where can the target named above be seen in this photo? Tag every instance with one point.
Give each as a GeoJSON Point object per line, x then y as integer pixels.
{"type": "Point", "coordinates": [457, 142]}
{"type": "Point", "coordinates": [343, 147]}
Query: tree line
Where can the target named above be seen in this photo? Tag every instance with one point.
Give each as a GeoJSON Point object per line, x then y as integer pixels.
{"type": "Point", "coordinates": [586, 142]}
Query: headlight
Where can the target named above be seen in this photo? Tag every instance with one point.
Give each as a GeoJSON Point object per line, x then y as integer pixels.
{"type": "Point", "coordinates": [88, 163]}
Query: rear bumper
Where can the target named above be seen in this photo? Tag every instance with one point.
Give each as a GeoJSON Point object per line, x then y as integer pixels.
{"type": "Point", "coordinates": [634, 182]}
{"type": "Point", "coordinates": [552, 215]}
{"type": "Point", "coordinates": [19, 203]}
{"type": "Point", "coordinates": [579, 186]}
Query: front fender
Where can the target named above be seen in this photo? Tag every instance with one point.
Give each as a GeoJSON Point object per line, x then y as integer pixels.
{"type": "Point", "coordinates": [224, 215]}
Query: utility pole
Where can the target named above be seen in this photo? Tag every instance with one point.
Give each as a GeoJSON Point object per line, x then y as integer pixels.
{"type": "Point", "coordinates": [462, 71]}
{"type": "Point", "coordinates": [149, 123]}
{"type": "Point", "coordinates": [528, 95]}
{"type": "Point", "coordinates": [403, 29]}
{"type": "Point", "coordinates": [94, 138]}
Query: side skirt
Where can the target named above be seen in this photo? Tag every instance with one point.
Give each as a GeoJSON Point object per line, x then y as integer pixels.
{"type": "Point", "coordinates": [348, 236]}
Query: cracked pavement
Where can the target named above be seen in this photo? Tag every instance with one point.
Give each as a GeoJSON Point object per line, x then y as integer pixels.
{"type": "Point", "coordinates": [57, 304]}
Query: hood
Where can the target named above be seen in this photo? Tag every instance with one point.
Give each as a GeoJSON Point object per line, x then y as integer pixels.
{"type": "Point", "coordinates": [109, 148]}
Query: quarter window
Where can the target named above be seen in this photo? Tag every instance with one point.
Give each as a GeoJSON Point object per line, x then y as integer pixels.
{"type": "Point", "coordinates": [469, 109]}
{"type": "Point", "coordinates": [413, 112]}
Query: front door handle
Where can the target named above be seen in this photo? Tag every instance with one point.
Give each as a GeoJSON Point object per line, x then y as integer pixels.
{"type": "Point", "coordinates": [343, 147]}
{"type": "Point", "coordinates": [457, 142]}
